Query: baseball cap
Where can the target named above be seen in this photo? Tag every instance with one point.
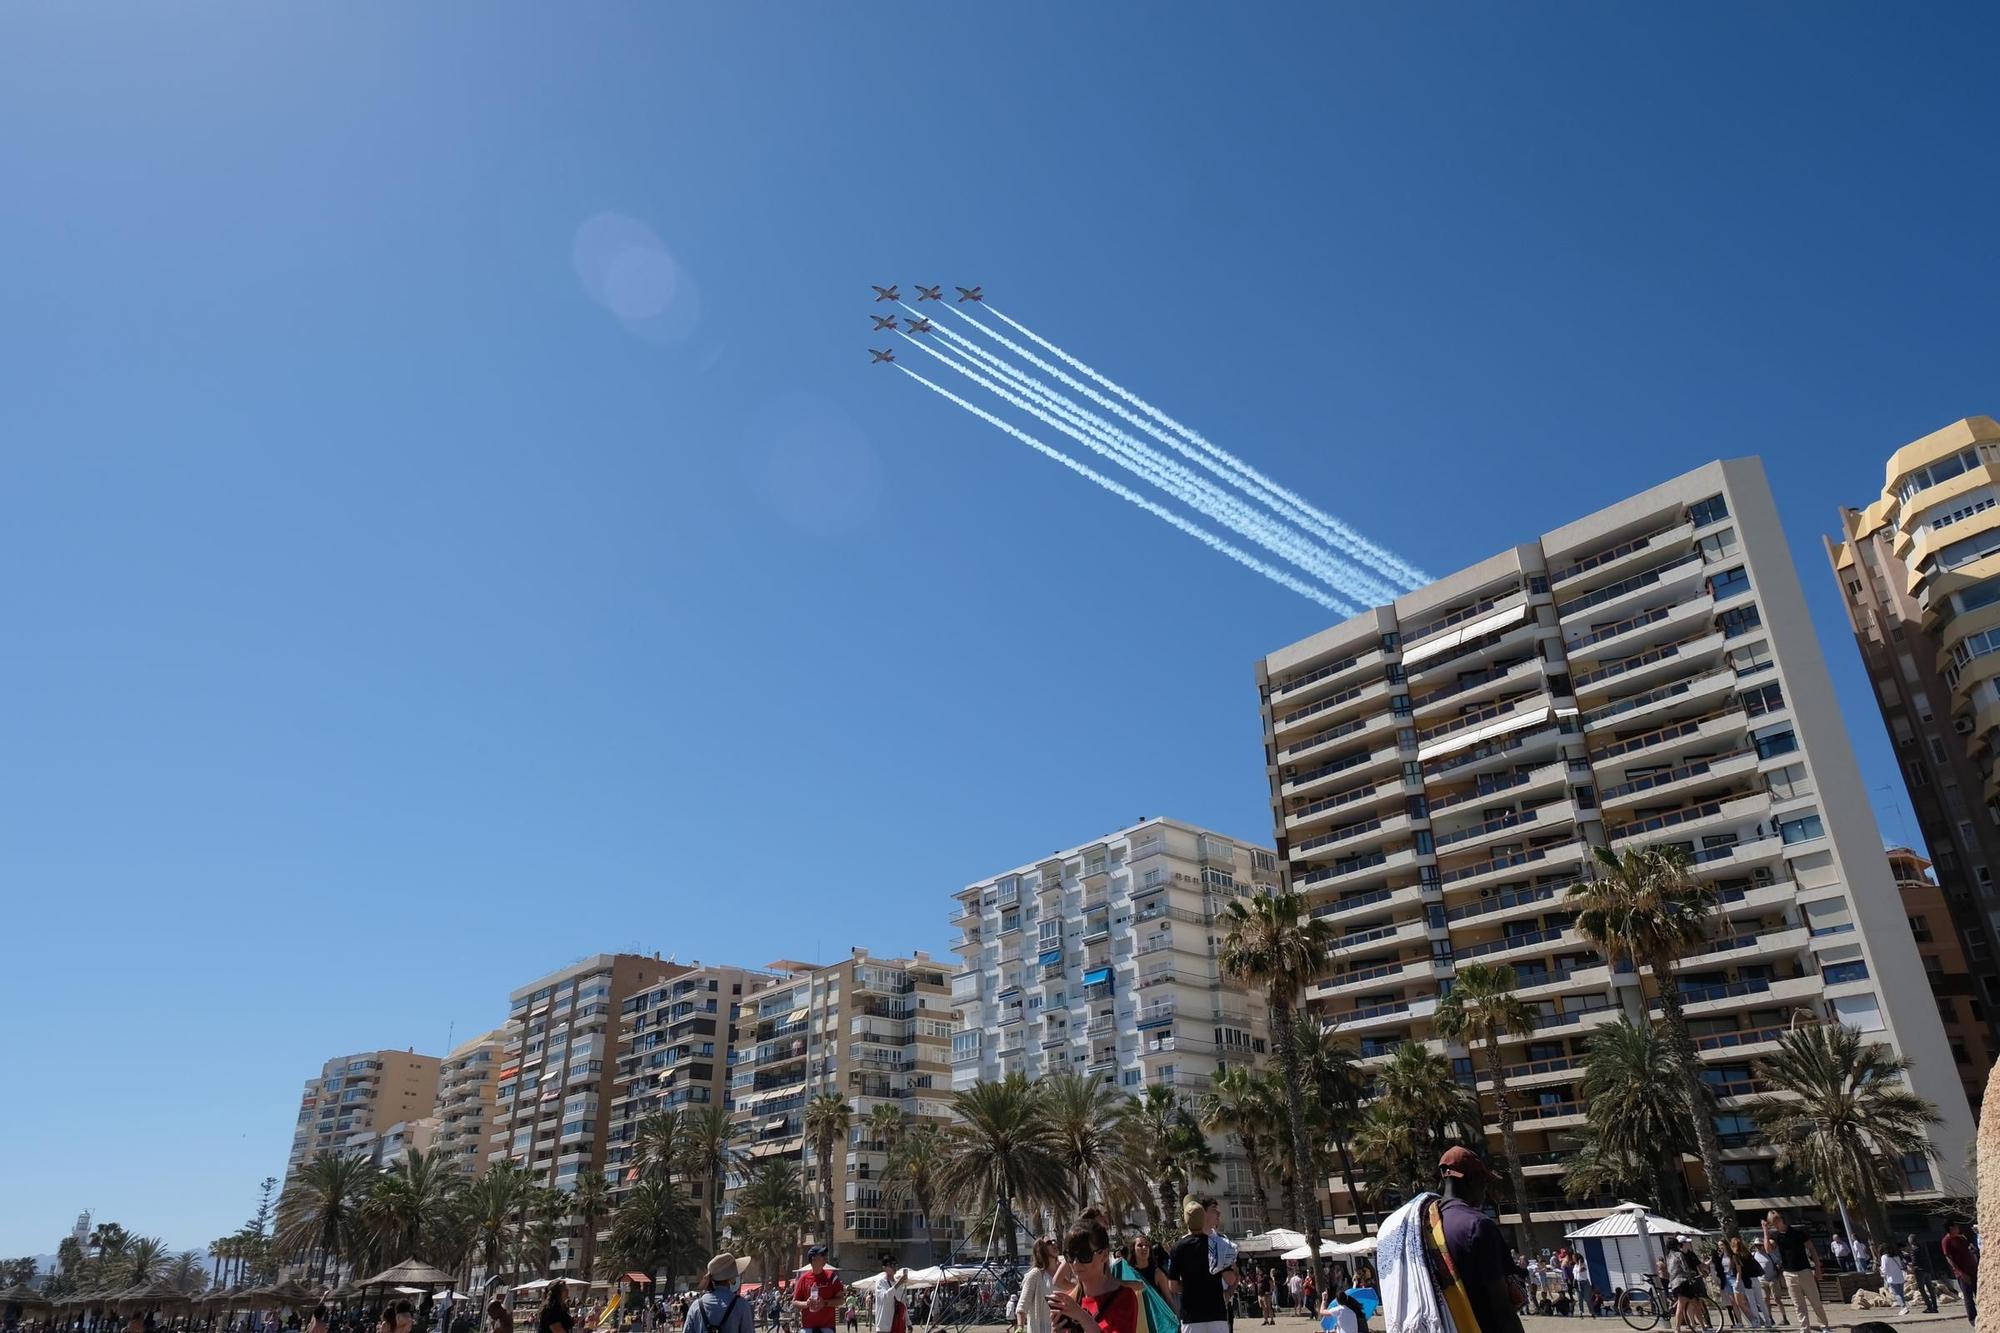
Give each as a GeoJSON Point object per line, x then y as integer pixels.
{"type": "Point", "coordinates": [1463, 1163]}
{"type": "Point", "coordinates": [816, 1252]}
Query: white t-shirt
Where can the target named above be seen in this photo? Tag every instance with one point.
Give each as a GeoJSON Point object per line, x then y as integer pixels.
{"type": "Point", "coordinates": [1892, 1267]}
{"type": "Point", "coordinates": [887, 1293]}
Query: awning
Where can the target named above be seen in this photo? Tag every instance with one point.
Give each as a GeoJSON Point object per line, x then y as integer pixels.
{"type": "Point", "coordinates": [1051, 956]}
{"type": "Point", "coordinates": [798, 1015]}
{"type": "Point", "coordinates": [1097, 976]}
{"type": "Point", "coordinates": [639, 1277]}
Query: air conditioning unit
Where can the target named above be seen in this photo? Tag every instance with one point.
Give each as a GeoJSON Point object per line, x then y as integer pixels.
{"type": "Point", "coordinates": [1962, 725]}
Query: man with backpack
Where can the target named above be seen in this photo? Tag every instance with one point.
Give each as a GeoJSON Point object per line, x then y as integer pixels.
{"type": "Point", "coordinates": [720, 1308]}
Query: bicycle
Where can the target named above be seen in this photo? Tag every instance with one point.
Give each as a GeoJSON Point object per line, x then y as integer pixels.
{"type": "Point", "coordinates": [1643, 1310]}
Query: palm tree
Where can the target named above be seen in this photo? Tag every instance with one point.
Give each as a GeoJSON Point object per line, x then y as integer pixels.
{"type": "Point", "coordinates": [826, 1121]}
{"type": "Point", "coordinates": [1635, 1114]}
{"type": "Point", "coordinates": [1420, 1108]}
{"type": "Point", "coordinates": [886, 1124]}
{"type": "Point", "coordinates": [1332, 1070]}
{"type": "Point", "coordinates": [547, 1207]}
{"type": "Point", "coordinates": [1274, 943]}
{"type": "Point", "coordinates": [320, 1215]}
{"type": "Point", "coordinates": [107, 1239]}
{"type": "Point", "coordinates": [652, 1231]}
{"type": "Point", "coordinates": [1246, 1105]}
{"type": "Point", "coordinates": [1483, 1007]}
{"type": "Point", "coordinates": [489, 1205]}
{"type": "Point", "coordinates": [187, 1274]}
{"type": "Point", "coordinates": [1846, 1117]}
{"type": "Point", "coordinates": [771, 1211]}
{"type": "Point", "coordinates": [143, 1260]}
{"type": "Point", "coordinates": [912, 1172]}
{"type": "Point", "coordinates": [408, 1205]}
{"type": "Point", "coordinates": [707, 1155]}
{"type": "Point", "coordinates": [1002, 1151]}
{"type": "Point", "coordinates": [660, 1142]}
{"type": "Point", "coordinates": [1175, 1150]}
{"type": "Point", "coordinates": [589, 1203]}
{"type": "Point", "coordinates": [1092, 1125]}
{"type": "Point", "coordinates": [1644, 907]}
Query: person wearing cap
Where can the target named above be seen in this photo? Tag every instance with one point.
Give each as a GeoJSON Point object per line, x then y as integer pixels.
{"type": "Point", "coordinates": [818, 1291]}
{"type": "Point", "coordinates": [1472, 1243]}
{"type": "Point", "coordinates": [890, 1308]}
{"type": "Point", "coordinates": [720, 1308]}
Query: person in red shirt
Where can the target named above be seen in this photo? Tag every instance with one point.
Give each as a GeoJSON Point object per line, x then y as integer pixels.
{"type": "Point", "coordinates": [818, 1291]}
{"type": "Point", "coordinates": [1087, 1295]}
{"type": "Point", "coordinates": [1964, 1261]}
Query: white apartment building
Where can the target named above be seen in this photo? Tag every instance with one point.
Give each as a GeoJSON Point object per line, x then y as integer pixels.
{"type": "Point", "coordinates": [1102, 959]}
{"type": "Point", "coordinates": [464, 1114]}
{"type": "Point", "coordinates": [1440, 769]}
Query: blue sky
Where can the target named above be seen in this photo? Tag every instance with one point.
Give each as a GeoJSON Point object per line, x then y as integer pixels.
{"type": "Point", "coordinates": [389, 620]}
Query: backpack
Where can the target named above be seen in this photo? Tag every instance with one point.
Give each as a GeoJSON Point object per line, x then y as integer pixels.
{"type": "Point", "coordinates": [710, 1326]}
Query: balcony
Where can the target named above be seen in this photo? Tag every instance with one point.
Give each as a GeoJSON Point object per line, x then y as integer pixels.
{"type": "Point", "coordinates": [1515, 783]}
{"type": "Point", "coordinates": [1359, 902]}
{"type": "Point", "coordinates": [1526, 939]}
{"type": "Point", "coordinates": [1684, 570]}
{"type": "Point", "coordinates": [1729, 764]}
{"type": "Point", "coordinates": [1339, 983]}
{"type": "Point", "coordinates": [1733, 809]}
{"type": "Point", "coordinates": [1694, 690]}
{"type": "Point", "coordinates": [1658, 742]}
{"type": "Point", "coordinates": [1551, 815]}
{"type": "Point", "coordinates": [1560, 853]}
{"type": "Point", "coordinates": [1354, 730]}
{"type": "Point", "coordinates": [1756, 992]}
{"type": "Point", "coordinates": [1532, 1071]}
{"type": "Point", "coordinates": [1748, 1041]}
{"type": "Point", "coordinates": [1353, 699]}
{"type": "Point", "coordinates": [1377, 938]}
{"type": "Point", "coordinates": [1355, 1019]}
{"type": "Point", "coordinates": [1503, 673]}
{"type": "Point", "coordinates": [1635, 671]}
{"type": "Point", "coordinates": [1355, 798]}
{"type": "Point", "coordinates": [1466, 622]}
{"type": "Point", "coordinates": [1612, 558]}
{"type": "Point", "coordinates": [1298, 782]}
{"type": "Point", "coordinates": [1501, 902]}
{"type": "Point", "coordinates": [1330, 676]}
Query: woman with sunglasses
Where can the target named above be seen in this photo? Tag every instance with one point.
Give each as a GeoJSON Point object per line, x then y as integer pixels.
{"type": "Point", "coordinates": [1088, 1296]}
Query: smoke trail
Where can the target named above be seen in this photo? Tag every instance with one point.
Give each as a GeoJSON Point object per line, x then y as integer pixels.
{"type": "Point", "coordinates": [1388, 591]}
{"type": "Point", "coordinates": [1081, 435]}
{"type": "Point", "coordinates": [1327, 525]}
{"type": "Point", "coordinates": [1201, 534]}
{"type": "Point", "coordinates": [1195, 490]}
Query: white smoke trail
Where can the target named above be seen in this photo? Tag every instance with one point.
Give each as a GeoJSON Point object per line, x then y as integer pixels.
{"type": "Point", "coordinates": [1387, 591]}
{"type": "Point", "coordinates": [1197, 491]}
{"type": "Point", "coordinates": [1388, 562]}
{"type": "Point", "coordinates": [1201, 534]}
{"type": "Point", "coordinates": [1082, 434]}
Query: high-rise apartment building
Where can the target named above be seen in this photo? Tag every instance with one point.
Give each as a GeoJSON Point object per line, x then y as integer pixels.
{"type": "Point", "coordinates": [674, 1056]}
{"type": "Point", "coordinates": [1953, 982]}
{"type": "Point", "coordinates": [553, 1092]}
{"type": "Point", "coordinates": [1441, 767]}
{"type": "Point", "coordinates": [464, 1115]}
{"type": "Point", "coordinates": [1102, 959]}
{"type": "Point", "coordinates": [1919, 570]}
{"type": "Point", "coordinates": [361, 1093]}
{"type": "Point", "coordinates": [391, 1145]}
{"type": "Point", "coordinates": [878, 1032]}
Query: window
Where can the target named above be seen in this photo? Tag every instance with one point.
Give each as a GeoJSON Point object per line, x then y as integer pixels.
{"type": "Point", "coordinates": [1920, 930]}
{"type": "Point", "coordinates": [1777, 741]}
{"type": "Point", "coordinates": [1740, 620]}
{"type": "Point", "coordinates": [1798, 830]}
{"type": "Point", "coordinates": [1836, 974]}
{"type": "Point", "coordinates": [1704, 512]}
{"type": "Point", "coordinates": [1717, 545]}
{"type": "Point", "coordinates": [1980, 594]}
{"type": "Point", "coordinates": [1966, 551]}
{"type": "Point", "coordinates": [1922, 703]}
{"type": "Point", "coordinates": [1917, 1171]}
{"type": "Point", "coordinates": [1937, 750]}
{"type": "Point", "coordinates": [1789, 782]}
{"type": "Point", "coordinates": [1729, 583]}
{"type": "Point", "coordinates": [1761, 700]}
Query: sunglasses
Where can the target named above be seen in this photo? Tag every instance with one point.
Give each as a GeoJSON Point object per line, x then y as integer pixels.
{"type": "Point", "coordinates": [1082, 1254]}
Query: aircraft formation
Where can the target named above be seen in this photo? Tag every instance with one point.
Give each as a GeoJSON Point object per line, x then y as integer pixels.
{"type": "Point", "coordinates": [916, 323]}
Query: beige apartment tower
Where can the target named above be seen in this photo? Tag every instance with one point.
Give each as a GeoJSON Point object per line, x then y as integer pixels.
{"type": "Point", "coordinates": [1441, 767]}
{"type": "Point", "coordinates": [464, 1115]}
{"type": "Point", "coordinates": [1919, 571]}
{"type": "Point", "coordinates": [1102, 959]}
{"type": "Point", "coordinates": [360, 1094]}
{"type": "Point", "coordinates": [878, 1032]}
{"type": "Point", "coordinates": [559, 1052]}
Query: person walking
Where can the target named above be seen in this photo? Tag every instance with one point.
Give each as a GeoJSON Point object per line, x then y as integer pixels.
{"type": "Point", "coordinates": [720, 1307]}
{"type": "Point", "coordinates": [1917, 1260]}
{"type": "Point", "coordinates": [1963, 1260]}
{"type": "Point", "coordinates": [1685, 1285]}
{"type": "Point", "coordinates": [1891, 1267]}
{"type": "Point", "coordinates": [1032, 1312]}
{"type": "Point", "coordinates": [1579, 1283]}
{"type": "Point", "coordinates": [817, 1292]}
{"type": "Point", "coordinates": [1842, 1255]}
{"type": "Point", "coordinates": [1799, 1260]}
{"type": "Point", "coordinates": [1443, 1260]}
{"type": "Point", "coordinates": [1750, 1282]}
{"type": "Point", "coordinates": [1203, 1292]}
{"type": "Point", "coordinates": [891, 1306]}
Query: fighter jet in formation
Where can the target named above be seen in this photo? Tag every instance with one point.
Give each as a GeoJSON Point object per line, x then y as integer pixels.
{"type": "Point", "coordinates": [886, 354]}
{"type": "Point", "coordinates": [970, 294]}
{"type": "Point", "coordinates": [889, 293]}
{"type": "Point", "coordinates": [883, 322]}
{"type": "Point", "coordinates": [921, 325]}
{"type": "Point", "coordinates": [928, 293]}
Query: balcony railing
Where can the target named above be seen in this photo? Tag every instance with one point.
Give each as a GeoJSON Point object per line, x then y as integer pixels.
{"type": "Point", "coordinates": [1457, 617]}
{"type": "Point", "coordinates": [1724, 1041]}
{"type": "Point", "coordinates": [1473, 719]}
{"type": "Point", "coordinates": [1353, 975]}
{"type": "Point", "coordinates": [1624, 548]}
{"type": "Point", "coordinates": [1372, 1011]}
{"type": "Point", "coordinates": [1685, 815]}
{"type": "Point", "coordinates": [1482, 793]}
{"type": "Point", "coordinates": [1437, 768]}
{"type": "Point", "coordinates": [1514, 820]}
{"type": "Point", "coordinates": [1505, 862]}
{"type": "Point", "coordinates": [1640, 621]}
{"type": "Point", "coordinates": [1638, 701]}
{"type": "Point", "coordinates": [1464, 686]}
{"type": "Point", "coordinates": [1674, 775]}
{"type": "Point", "coordinates": [1317, 674]}
{"type": "Point", "coordinates": [1348, 867]}
{"type": "Point", "coordinates": [1361, 937]}
{"type": "Point", "coordinates": [1729, 991]}
{"type": "Point", "coordinates": [1338, 835]}
{"type": "Point", "coordinates": [1331, 767]}
{"type": "Point", "coordinates": [1333, 802]}
{"type": "Point", "coordinates": [1646, 739]}
{"type": "Point", "coordinates": [1330, 734]}
{"type": "Point", "coordinates": [1520, 941]}
{"type": "Point", "coordinates": [1354, 904]}
{"type": "Point", "coordinates": [1616, 669]}
{"type": "Point", "coordinates": [1500, 903]}
{"type": "Point", "coordinates": [1332, 701]}
{"type": "Point", "coordinates": [1616, 590]}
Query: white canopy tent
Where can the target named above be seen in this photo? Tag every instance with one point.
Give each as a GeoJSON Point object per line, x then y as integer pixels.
{"type": "Point", "coordinates": [1622, 1246]}
{"type": "Point", "coordinates": [1275, 1241]}
{"type": "Point", "coordinates": [1334, 1249]}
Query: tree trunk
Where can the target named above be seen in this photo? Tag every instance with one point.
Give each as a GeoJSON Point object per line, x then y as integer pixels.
{"type": "Point", "coordinates": [1305, 1192]}
{"type": "Point", "coordinates": [1253, 1157]}
{"type": "Point", "coordinates": [1362, 1217]}
{"type": "Point", "coordinates": [1006, 1219]}
{"type": "Point", "coordinates": [1510, 1143]}
{"type": "Point", "coordinates": [1704, 1126]}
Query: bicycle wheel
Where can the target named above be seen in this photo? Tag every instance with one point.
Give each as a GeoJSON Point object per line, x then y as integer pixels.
{"type": "Point", "coordinates": [1639, 1310]}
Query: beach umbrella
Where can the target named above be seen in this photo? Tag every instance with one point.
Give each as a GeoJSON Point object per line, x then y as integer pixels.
{"type": "Point", "coordinates": [409, 1273]}
{"type": "Point", "coordinates": [25, 1296]}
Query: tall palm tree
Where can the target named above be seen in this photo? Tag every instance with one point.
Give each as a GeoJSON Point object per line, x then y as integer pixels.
{"type": "Point", "coordinates": [1002, 1152]}
{"type": "Point", "coordinates": [1638, 1111]}
{"type": "Point", "coordinates": [408, 1205]}
{"type": "Point", "coordinates": [1332, 1070]}
{"type": "Point", "coordinates": [187, 1274]}
{"type": "Point", "coordinates": [1092, 1125]}
{"type": "Point", "coordinates": [1177, 1153]}
{"type": "Point", "coordinates": [827, 1119]}
{"type": "Point", "coordinates": [1419, 1109]}
{"type": "Point", "coordinates": [887, 1123]}
{"type": "Point", "coordinates": [708, 1153]}
{"type": "Point", "coordinates": [320, 1215]}
{"type": "Point", "coordinates": [547, 1208]}
{"type": "Point", "coordinates": [1273, 942]}
{"type": "Point", "coordinates": [772, 1211]}
{"type": "Point", "coordinates": [912, 1172]}
{"type": "Point", "coordinates": [1645, 907]}
{"type": "Point", "coordinates": [1847, 1117]}
{"type": "Point", "coordinates": [653, 1231]}
{"type": "Point", "coordinates": [490, 1205]}
{"type": "Point", "coordinates": [660, 1142]}
{"type": "Point", "coordinates": [107, 1239]}
{"type": "Point", "coordinates": [1483, 1007]}
{"type": "Point", "coordinates": [1246, 1105]}
{"type": "Point", "coordinates": [589, 1204]}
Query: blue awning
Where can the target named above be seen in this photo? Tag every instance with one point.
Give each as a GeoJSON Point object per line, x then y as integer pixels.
{"type": "Point", "coordinates": [1097, 976]}
{"type": "Point", "coordinates": [1051, 956]}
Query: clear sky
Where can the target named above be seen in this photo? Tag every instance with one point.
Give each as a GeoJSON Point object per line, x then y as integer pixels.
{"type": "Point", "coordinates": [397, 606]}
